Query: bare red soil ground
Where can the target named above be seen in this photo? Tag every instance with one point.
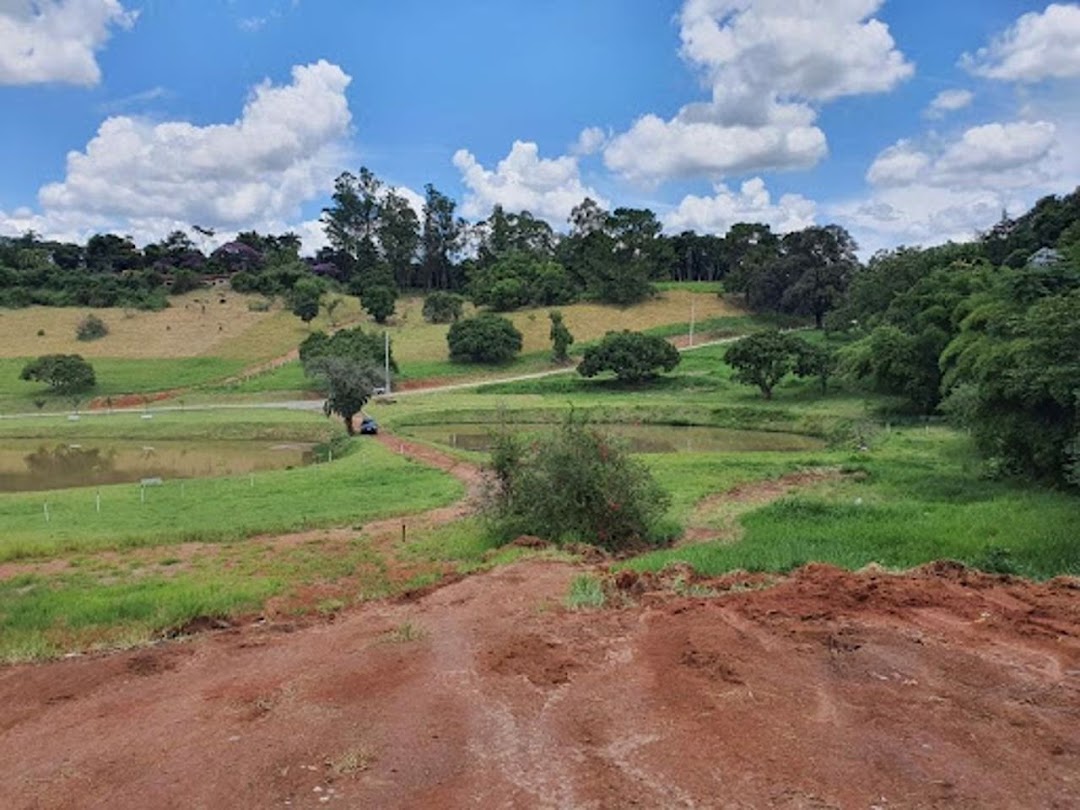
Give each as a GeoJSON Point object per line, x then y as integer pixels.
{"type": "Point", "coordinates": [938, 688]}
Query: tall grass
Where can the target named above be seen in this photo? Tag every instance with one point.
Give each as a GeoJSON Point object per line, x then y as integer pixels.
{"type": "Point", "coordinates": [916, 497]}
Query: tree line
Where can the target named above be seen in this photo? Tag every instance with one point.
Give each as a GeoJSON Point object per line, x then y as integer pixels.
{"type": "Point", "coordinates": [379, 246]}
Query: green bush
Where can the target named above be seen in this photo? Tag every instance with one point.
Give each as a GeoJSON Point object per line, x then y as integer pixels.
{"type": "Point", "coordinates": [443, 307]}
{"type": "Point", "coordinates": [484, 339]}
{"type": "Point", "coordinates": [91, 328]}
{"type": "Point", "coordinates": [574, 484]}
{"type": "Point", "coordinates": [633, 356]}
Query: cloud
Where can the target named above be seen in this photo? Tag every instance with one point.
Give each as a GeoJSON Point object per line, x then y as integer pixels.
{"type": "Point", "coordinates": [56, 40]}
{"type": "Point", "coordinates": [899, 164]}
{"type": "Point", "coordinates": [767, 63]}
{"type": "Point", "coordinates": [145, 179]}
{"type": "Point", "coordinates": [589, 142]}
{"type": "Point", "coordinates": [923, 214]}
{"type": "Point", "coordinates": [547, 188]}
{"type": "Point", "coordinates": [952, 189]}
{"type": "Point", "coordinates": [1037, 46]}
{"type": "Point", "coordinates": [752, 203]}
{"type": "Point", "coordinates": [948, 101]}
{"type": "Point", "coordinates": [1014, 154]}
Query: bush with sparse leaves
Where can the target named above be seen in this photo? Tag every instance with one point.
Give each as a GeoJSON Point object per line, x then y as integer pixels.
{"type": "Point", "coordinates": [91, 328]}
{"type": "Point", "coordinates": [573, 484]}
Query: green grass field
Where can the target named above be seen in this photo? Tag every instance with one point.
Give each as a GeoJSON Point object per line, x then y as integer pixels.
{"type": "Point", "coordinates": [894, 491]}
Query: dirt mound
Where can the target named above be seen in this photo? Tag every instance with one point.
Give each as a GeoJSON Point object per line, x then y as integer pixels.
{"type": "Point", "coordinates": [942, 687]}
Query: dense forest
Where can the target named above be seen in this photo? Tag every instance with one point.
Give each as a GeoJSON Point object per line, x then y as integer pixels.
{"type": "Point", "coordinates": [986, 332]}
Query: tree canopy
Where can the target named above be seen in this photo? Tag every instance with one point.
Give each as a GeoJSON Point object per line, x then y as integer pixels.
{"type": "Point", "coordinates": [63, 373]}
{"type": "Point", "coordinates": [631, 356]}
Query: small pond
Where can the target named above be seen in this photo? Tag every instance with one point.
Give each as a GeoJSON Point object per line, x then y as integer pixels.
{"type": "Point", "coordinates": [639, 438]}
{"type": "Point", "coordinates": [36, 464]}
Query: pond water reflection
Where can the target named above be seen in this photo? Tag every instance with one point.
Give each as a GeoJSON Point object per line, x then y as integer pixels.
{"type": "Point", "coordinates": [639, 438]}
{"type": "Point", "coordinates": [33, 464]}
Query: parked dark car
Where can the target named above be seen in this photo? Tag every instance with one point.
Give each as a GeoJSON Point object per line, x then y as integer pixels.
{"type": "Point", "coordinates": [368, 426]}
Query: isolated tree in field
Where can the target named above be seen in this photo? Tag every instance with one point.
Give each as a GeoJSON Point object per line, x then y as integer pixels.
{"type": "Point", "coordinates": [355, 344]}
{"type": "Point", "coordinates": [484, 339]}
{"type": "Point", "coordinates": [304, 299]}
{"type": "Point", "coordinates": [632, 356]}
{"type": "Point", "coordinates": [443, 307]}
{"type": "Point", "coordinates": [560, 337]}
{"type": "Point", "coordinates": [762, 359]}
{"type": "Point", "coordinates": [379, 302]}
{"type": "Point", "coordinates": [349, 385]}
{"type": "Point", "coordinates": [63, 373]}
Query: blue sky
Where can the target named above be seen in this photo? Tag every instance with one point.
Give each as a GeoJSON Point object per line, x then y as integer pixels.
{"type": "Point", "coordinates": [905, 121]}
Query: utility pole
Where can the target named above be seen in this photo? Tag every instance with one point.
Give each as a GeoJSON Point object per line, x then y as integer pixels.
{"type": "Point", "coordinates": [386, 359]}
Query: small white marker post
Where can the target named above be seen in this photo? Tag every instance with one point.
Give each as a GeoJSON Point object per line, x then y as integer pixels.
{"type": "Point", "coordinates": [46, 511]}
{"type": "Point", "coordinates": [251, 480]}
{"type": "Point", "coordinates": [142, 493]}
{"type": "Point", "coordinates": [692, 302]}
{"type": "Point", "coordinates": [97, 502]}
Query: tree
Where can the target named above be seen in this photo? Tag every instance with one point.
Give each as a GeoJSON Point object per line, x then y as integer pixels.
{"type": "Point", "coordinates": [560, 337]}
{"type": "Point", "coordinates": [1014, 373]}
{"type": "Point", "coordinates": [349, 384]}
{"type": "Point", "coordinates": [486, 338]}
{"type": "Point", "coordinates": [438, 239]}
{"type": "Point", "coordinates": [379, 302]}
{"type": "Point", "coordinates": [762, 359]}
{"type": "Point", "coordinates": [354, 344]}
{"type": "Point", "coordinates": [632, 356]}
{"type": "Point", "coordinates": [443, 307]}
{"type": "Point", "coordinates": [399, 237]}
{"type": "Point", "coordinates": [821, 263]}
{"type": "Point", "coordinates": [814, 360]}
{"type": "Point", "coordinates": [63, 373]}
{"type": "Point", "coordinates": [304, 298]}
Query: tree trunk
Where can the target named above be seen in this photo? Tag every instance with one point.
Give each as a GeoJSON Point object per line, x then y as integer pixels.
{"type": "Point", "coordinates": [349, 425]}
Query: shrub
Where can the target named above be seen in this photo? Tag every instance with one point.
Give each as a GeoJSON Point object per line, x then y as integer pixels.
{"type": "Point", "coordinates": [91, 328]}
{"type": "Point", "coordinates": [484, 339]}
{"type": "Point", "coordinates": [560, 337]}
{"type": "Point", "coordinates": [443, 307]}
{"type": "Point", "coordinates": [379, 302]}
{"type": "Point", "coordinates": [574, 484]}
{"type": "Point", "coordinates": [633, 356]}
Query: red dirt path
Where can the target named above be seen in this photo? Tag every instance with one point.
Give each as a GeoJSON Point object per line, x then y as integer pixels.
{"type": "Point", "coordinates": [940, 688]}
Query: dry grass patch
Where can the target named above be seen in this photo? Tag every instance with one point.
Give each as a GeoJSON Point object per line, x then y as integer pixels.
{"type": "Point", "coordinates": [415, 340]}
{"type": "Point", "coordinates": [203, 323]}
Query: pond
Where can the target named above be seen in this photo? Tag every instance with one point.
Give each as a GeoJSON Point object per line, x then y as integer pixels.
{"type": "Point", "coordinates": [34, 464]}
{"type": "Point", "coordinates": [639, 438]}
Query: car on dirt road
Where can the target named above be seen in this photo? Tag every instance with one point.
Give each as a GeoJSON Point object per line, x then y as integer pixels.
{"type": "Point", "coordinates": [368, 426]}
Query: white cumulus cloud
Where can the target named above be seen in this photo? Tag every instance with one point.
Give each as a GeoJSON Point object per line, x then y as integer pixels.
{"type": "Point", "coordinates": [143, 178]}
{"type": "Point", "coordinates": [1039, 45]}
{"type": "Point", "coordinates": [948, 101]}
{"type": "Point", "coordinates": [767, 62]}
{"type": "Point", "coordinates": [952, 189]}
{"type": "Point", "coordinates": [56, 40]}
{"type": "Point", "coordinates": [547, 188]}
{"type": "Point", "coordinates": [751, 203]}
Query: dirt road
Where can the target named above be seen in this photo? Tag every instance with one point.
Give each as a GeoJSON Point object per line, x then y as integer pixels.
{"type": "Point", "coordinates": [941, 688]}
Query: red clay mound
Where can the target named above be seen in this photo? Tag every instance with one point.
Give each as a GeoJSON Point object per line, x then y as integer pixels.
{"type": "Point", "coordinates": [941, 688]}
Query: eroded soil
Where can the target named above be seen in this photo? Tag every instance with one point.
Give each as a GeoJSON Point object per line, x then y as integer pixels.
{"type": "Point", "coordinates": [938, 688]}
